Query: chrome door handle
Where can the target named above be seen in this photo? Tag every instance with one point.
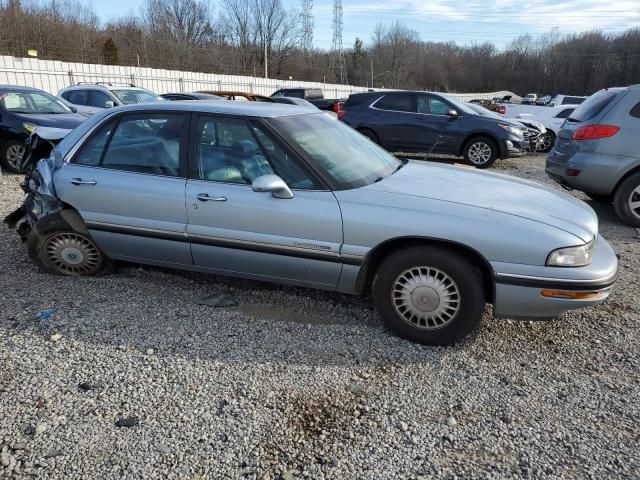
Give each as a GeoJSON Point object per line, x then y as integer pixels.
{"type": "Point", "coordinates": [79, 181]}
{"type": "Point", "coordinates": [204, 197]}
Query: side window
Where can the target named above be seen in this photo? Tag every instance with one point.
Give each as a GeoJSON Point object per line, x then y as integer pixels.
{"type": "Point", "coordinates": [432, 105]}
{"type": "Point", "coordinates": [146, 143]}
{"type": "Point", "coordinates": [78, 97]}
{"type": "Point", "coordinates": [279, 93]}
{"type": "Point", "coordinates": [99, 99]}
{"type": "Point", "coordinates": [635, 111]}
{"type": "Point", "coordinates": [232, 151]}
{"type": "Point", "coordinates": [565, 113]}
{"type": "Point", "coordinates": [91, 152]}
{"type": "Point", "coordinates": [398, 102]}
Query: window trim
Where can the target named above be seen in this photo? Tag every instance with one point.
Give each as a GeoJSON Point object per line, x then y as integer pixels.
{"type": "Point", "coordinates": [117, 118]}
{"type": "Point", "coordinates": [250, 121]}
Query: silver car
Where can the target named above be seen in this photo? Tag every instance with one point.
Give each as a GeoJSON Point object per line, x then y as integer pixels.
{"type": "Point", "coordinates": [276, 193]}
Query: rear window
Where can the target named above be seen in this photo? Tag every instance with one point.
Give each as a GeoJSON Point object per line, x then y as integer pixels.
{"type": "Point", "coordinates": [593, 106]}
{"type": "Point", "coordinates": [572, 100]}
{"type": "Point", "coordinates": [314, 94]}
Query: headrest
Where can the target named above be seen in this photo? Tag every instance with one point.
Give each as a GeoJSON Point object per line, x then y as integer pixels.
{"type": "Point", "coordinates": [244, 149]}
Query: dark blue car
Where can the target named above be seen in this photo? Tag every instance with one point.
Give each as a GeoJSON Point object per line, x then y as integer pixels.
{"type": "Point", "coordinates": [22, 109]}
{"type": "Point", "coordinates": [430, 122]}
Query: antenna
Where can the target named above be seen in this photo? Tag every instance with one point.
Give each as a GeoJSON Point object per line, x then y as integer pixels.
{"type": "Point", "coordinates": [337, 64]}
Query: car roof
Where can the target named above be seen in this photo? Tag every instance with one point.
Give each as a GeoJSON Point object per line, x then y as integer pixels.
{"type": "Point", "coordinates": [250, 109]}
{"type": "Point", "coordinates": [101, 86]}
{"type": "Point", "coordinates": [18, 88]}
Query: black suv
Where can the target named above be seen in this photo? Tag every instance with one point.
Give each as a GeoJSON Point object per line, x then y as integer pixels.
{"type": "Point", "coordinates": [431, 122]}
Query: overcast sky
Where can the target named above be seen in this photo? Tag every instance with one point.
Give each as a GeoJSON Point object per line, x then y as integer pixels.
{"type": "Point", "coordinates": [464, 22]}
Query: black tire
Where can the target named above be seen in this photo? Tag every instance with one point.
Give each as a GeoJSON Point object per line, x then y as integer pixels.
{"type": "Point", "coordinates": [8, 157]}
{"type": "Point", "coordinates": [597, 197]}
{"type": "Point", "coordinates": [51, 236]}
{"type": "Point", "coordinates": [547, 142]}
{"type": "Point", "coordinates": [370, 134]}
{"type": "Point", "coordinates": [467, 282]}
{"type": "Point", "coordinates": [628, 191]}
{"type": "Point", "coordinates": [480, 152]}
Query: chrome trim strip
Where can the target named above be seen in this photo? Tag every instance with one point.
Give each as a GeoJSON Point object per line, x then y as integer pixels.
{"type": "Point", "coordinates": [552, 279]}
{"type": "Point", "coordinates": [554, 283]}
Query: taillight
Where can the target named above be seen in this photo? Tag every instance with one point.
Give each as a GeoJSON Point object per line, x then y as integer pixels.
{"type": "Point", "coordinates": [593, 132]}
{"type": "Point", "coordinates": [336, 107]}
{"type": "Point", "coordinates": [341, 113]}
{"type": "Point", "coordinates": [502, 110]}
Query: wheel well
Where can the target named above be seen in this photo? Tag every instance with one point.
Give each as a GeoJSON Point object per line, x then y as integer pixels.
{"type": "Point", "coordinates": [479, 135]}
{"type": "Point", "coordinates": [624, 177]}
{"type": "Point", "coordinates": [380, 252]}
{"type": "Point", "coordinates": [361, 129]}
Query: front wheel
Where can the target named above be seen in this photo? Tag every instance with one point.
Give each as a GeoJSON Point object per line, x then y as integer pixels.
{"type": "Point", "coordinates": [480, 152]}
{"type": "Point", "coordinates": [11, 155]}
{"type": "Point", "coordinates": [547, 141]}
{"type": "Point", "coordinates": [626, 200]}
{"type": "Point", "coordinates": [429, 295]}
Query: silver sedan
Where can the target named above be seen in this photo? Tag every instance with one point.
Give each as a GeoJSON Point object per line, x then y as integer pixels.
{"type": "Point", "coordinates": [282, 194]}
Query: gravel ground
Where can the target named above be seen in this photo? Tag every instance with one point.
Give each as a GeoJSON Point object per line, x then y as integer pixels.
{"type": "Point", "coordinates": [295, 383]}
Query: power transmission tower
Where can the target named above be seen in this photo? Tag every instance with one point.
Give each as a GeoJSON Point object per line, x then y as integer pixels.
{"type": "Point", "coordinates": [307, 25]}
{"type": "Point", "coordinates": [337, 63]}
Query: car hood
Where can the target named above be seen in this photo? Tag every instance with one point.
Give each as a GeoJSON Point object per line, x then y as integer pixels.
{"type": "Point", "coordinates": [491, 191]}
{"type": "Point", "coordinates": [57, 120]}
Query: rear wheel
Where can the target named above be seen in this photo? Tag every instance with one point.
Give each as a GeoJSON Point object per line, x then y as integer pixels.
{"type": "Point", "coordinates": [11, 155]}
{"type": "Point", "coordinates": [428, 295]}
{"type": "Point", "coordinates": [370, 134]}
{"type": "Point", "coordinates": [480, 152]}
{"type": "Point", "coordinates": [626, 200]}
{"type": "Point", "coordinates": [58, 249]}
{"type": "Point", "coordinates": [547, 141]}
{"type": "Point", "coordinates": [597, 197]}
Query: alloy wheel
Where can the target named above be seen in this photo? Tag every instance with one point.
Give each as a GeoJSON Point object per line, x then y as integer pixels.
{"type": "Point", "coordinates": [545, 142]}
{"type": "Point", "coordinates": [72, 254]}
{"type": "Point", "coordinates": [426, 298]}
{"type": "Point", "coordinates": [13, 156]}
{"type": "Point", "coordinates": [634, 202]}
{"type": "Point", "coordinates": [479, 153]}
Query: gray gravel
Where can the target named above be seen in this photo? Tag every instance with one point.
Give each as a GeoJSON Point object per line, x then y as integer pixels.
{"type": "Point", "coordinates": [295, 383]}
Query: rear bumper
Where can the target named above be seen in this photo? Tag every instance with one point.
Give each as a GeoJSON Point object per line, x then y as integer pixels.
{"type": "Point", "coordinates": [519, 288]}
{"type": "Point", "coordinates": [591, 172]}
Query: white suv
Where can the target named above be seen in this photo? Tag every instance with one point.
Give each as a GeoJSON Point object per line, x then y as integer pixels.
{"type": "Point", "coordinates": [90, 98]}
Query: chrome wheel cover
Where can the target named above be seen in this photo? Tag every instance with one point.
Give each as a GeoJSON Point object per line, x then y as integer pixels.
{"type": "Point", "coordinates": [479, 153]}
{"type": "Point", "coordinates": [72, 254]}
{"type": "Point", "coordinates": [426, 298]}
{"type": "Point", "coordinates": [14, 155]}
{"type": "Point", "coordinates": [634, 202]}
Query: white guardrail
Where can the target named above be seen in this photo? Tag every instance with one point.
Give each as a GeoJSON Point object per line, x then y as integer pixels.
{"type": "Point", "coordinates": [52, 75]}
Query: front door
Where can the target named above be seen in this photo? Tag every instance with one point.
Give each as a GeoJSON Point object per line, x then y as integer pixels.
{"type": "Point", "coordinates": [128, 183]}
{"type": "Point", "coordinates": [234, 230]}
{"type": "Point", "coordinates": [439, 131]}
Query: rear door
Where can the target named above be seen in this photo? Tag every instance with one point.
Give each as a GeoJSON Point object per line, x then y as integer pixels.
{"type": "Point", "coordinates": [80, 99]}
{"type": "Point", "coordinates": [234, 230]}
{"type": "Point", "coordinates": [393, 119]}
{"type": "Point", "coordinates": [128, 183]}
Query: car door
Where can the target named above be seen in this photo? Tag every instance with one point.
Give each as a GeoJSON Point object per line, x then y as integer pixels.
{"type": "Point", "coordinates": [235, 230]}
{"type": "Point", "coordinates": [79, 98]}
{"type": "Point", "coordinates": [393, 119]}
{"type": "Point", "coordinates": [438, 130]}
{"type": "Point", "coordinates": [98, 100]}
{"type": "Point", "coordinates": [128, 182]}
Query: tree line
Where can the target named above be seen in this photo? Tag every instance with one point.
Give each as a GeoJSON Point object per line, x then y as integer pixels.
{"type": "Point", "coordinates": [237, 37]}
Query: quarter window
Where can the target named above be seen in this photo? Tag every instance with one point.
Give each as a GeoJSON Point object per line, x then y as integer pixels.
{"type": "Point", "coordinates": [234, 151]}
{"type": "Point", "coordinates": [398, 102]}
{"type": "Point", "coordinates": [565, 113]}
{"type": "Point", "coordinates": [635, 111]}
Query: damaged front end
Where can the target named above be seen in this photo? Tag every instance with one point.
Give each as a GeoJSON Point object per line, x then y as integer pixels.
{"type": "Point", "coordinates": [39, 163]}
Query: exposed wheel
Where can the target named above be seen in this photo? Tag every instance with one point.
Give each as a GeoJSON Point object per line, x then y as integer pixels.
{"type": "Point", "coordinates": [370, 134]}
{"type": "Point", "coordinates": [626, 200]}
{"type": "Point", "coordinates": [547, 141]}
{"type": "Point", "coordinates": [58, 249]}
{"type": "Point", "coordinates": [597, 197]}
{"type": "Point", "coordinates": [480, 152]}
{"type": "Point", "coordinates": [429, 295]}
{"type": "Point", "coordinates": [11, 155]}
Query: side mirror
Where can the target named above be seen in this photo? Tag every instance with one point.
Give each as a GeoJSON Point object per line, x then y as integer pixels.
{"type": "Point", "coordinates": [73, 109]}
{"type": "Point", "coordinates": [109, 104]}
{"type": "Point", "coordinates": [272, 183]}
{"type": "Point", "coordinates": [453, 113]}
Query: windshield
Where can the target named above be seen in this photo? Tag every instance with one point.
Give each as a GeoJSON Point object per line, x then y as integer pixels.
{"type": "Point", "coordinates": [485, 112]}
{"type": "Point", "coordinates": [461, 107]}
{"type": "Point", "coordinates": [129, 96]}
{"type": "Point", "coordinates": [349, 158]}
{"type": "Point", "coordinates": [32, 102]}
